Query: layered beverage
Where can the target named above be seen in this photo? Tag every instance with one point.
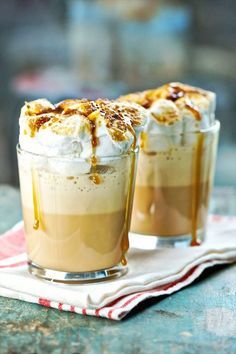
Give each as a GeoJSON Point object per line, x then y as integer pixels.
{"type": "Point", "coordinates": [176, 164]}
{"type": "Point", "coordinates": [77, 166]}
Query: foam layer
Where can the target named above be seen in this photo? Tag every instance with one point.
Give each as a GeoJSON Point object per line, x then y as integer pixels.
{"type": "Point", "coordinates": [74, 194]}
{"type": "Point", "coordinates": [80, 127]}
{"type": "Point", "coordinates": [173, 168]}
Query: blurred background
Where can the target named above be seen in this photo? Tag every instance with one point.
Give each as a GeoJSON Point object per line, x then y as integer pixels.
{"type": "Point", "coordinates": [104, 48]}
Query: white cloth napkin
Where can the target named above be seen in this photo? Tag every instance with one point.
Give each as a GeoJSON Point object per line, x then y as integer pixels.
{"type": "Point", "coordinates": [151, 273]}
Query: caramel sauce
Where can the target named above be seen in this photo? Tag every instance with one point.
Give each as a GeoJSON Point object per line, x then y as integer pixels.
{"type": "Point", "coordinates": [95, 178]}
{"type": "Point", "coordinates": [129, 207]}
{"type": "Point", "coordinates": [37, 124]}
{"type": "Point", "coordinates": [175, 93]}
{"type": "Point", "coordinates": [93, 160]}
{"type": "Point", "coordinates": [143, 140]}
{"type": "Point", "coordinates": [197, 190]}
{"type": "Point", "coordinates": [123, 260]}
{"type": "Point", "coordinates": [143, 98]}
{"type": "Point", "coordinates": [92, 117]}
{"type": "Point", "coordinates": [38, 110]}
{"type": "Point", "coordinates": [132, 131]}
{"type": "Point", "coordinates": [117, 134]}
{"type": "Point", "coordinates": [35, 201]}
{"type": "Point", "coordinates": [38, 214]}
{"type": "Point", "coordinates": [193, 109]}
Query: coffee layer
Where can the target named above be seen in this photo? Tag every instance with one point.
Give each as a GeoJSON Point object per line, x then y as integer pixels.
{"type": "Point", "coordinates": [75, 194]}
{"type": "Point", "coordinates": [76, 243]}
{"type": "Point", "coordinates": [167, 211]}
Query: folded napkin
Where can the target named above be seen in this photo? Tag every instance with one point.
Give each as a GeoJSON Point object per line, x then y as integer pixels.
{"type": "Point", "coordinates": [151, 273]}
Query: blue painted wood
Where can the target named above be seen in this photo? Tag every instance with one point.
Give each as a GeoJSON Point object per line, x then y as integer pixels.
{"type": "Point", "coordinates": [199, 319]}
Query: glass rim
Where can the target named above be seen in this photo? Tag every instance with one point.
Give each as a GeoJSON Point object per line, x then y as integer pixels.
{"type": "Point", "coordinates": [213, 128]}
{"type": "Point", "coordinates": [74, 157]}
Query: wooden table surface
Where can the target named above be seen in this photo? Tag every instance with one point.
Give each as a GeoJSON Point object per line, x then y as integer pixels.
{"type": "Point", "coordinates": [200, 319]}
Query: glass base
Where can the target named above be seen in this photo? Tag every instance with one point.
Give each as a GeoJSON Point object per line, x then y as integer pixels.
{"type": "Point", "coordinates": [151, 242]}
{"type": "Point", "coordinates": [77, 278]}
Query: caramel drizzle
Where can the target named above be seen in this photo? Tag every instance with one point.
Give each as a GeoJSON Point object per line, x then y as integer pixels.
{"type": "Point", "coordinates": [35, 201]}
{"type": "Point", "coordinates": [189, 105]}
{"type": "Point", "coordinates": [132, 131]}
{"type": "Point", "coordinates": [35, 125]}
{"type": "Point", "coordinates": [92, 117]}
{"type": "Point", "coordinates": [176, 92]}
{"type": "Point", "coordinates": [197, 189]}
{"type": "Point", "coordinates": [143, 140]}
{"type": "Point", "coordinates": [95, 177]}
{"type": "Point", "coordinates": [38, 110]}
{"type": "Point", "coordinates": [93, 160]}
{"type": "Point", "coordinates": [129, 207]}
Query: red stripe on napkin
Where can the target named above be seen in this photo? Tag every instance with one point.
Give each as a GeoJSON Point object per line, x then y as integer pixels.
{"type": "Point", "coordinates": [84, 311]}
{"type": "Point", "coordinates": [60, 306]}
{"type": "Point", "coordinates": [44, 302]}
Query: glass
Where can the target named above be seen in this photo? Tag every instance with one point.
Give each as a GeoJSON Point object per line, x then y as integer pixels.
{"type": "Point", "coordinates": [173, 188]}
{"type": "Point", "coordinates": [76, 215]}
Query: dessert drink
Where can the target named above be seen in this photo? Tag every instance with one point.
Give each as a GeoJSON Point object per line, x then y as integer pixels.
{"type": "Point", "coordinates": [176, 163]}
{"type": "Point", "coordinates": [77, 167]}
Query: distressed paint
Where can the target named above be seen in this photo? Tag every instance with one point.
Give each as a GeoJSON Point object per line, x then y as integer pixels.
{"type": "Point", "coordinates": [198, 319]}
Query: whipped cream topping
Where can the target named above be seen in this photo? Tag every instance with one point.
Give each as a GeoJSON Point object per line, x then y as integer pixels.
{"type": "Point", "coordinates": [80, 127]}
{"type": "Point", "coordinates": [176, 108]}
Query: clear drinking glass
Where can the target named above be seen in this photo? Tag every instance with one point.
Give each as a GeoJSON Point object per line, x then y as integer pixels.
{"type": "Point", "coordinates": [173, 188]}
{"type": "Point", "coordinates": [76, 216]}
